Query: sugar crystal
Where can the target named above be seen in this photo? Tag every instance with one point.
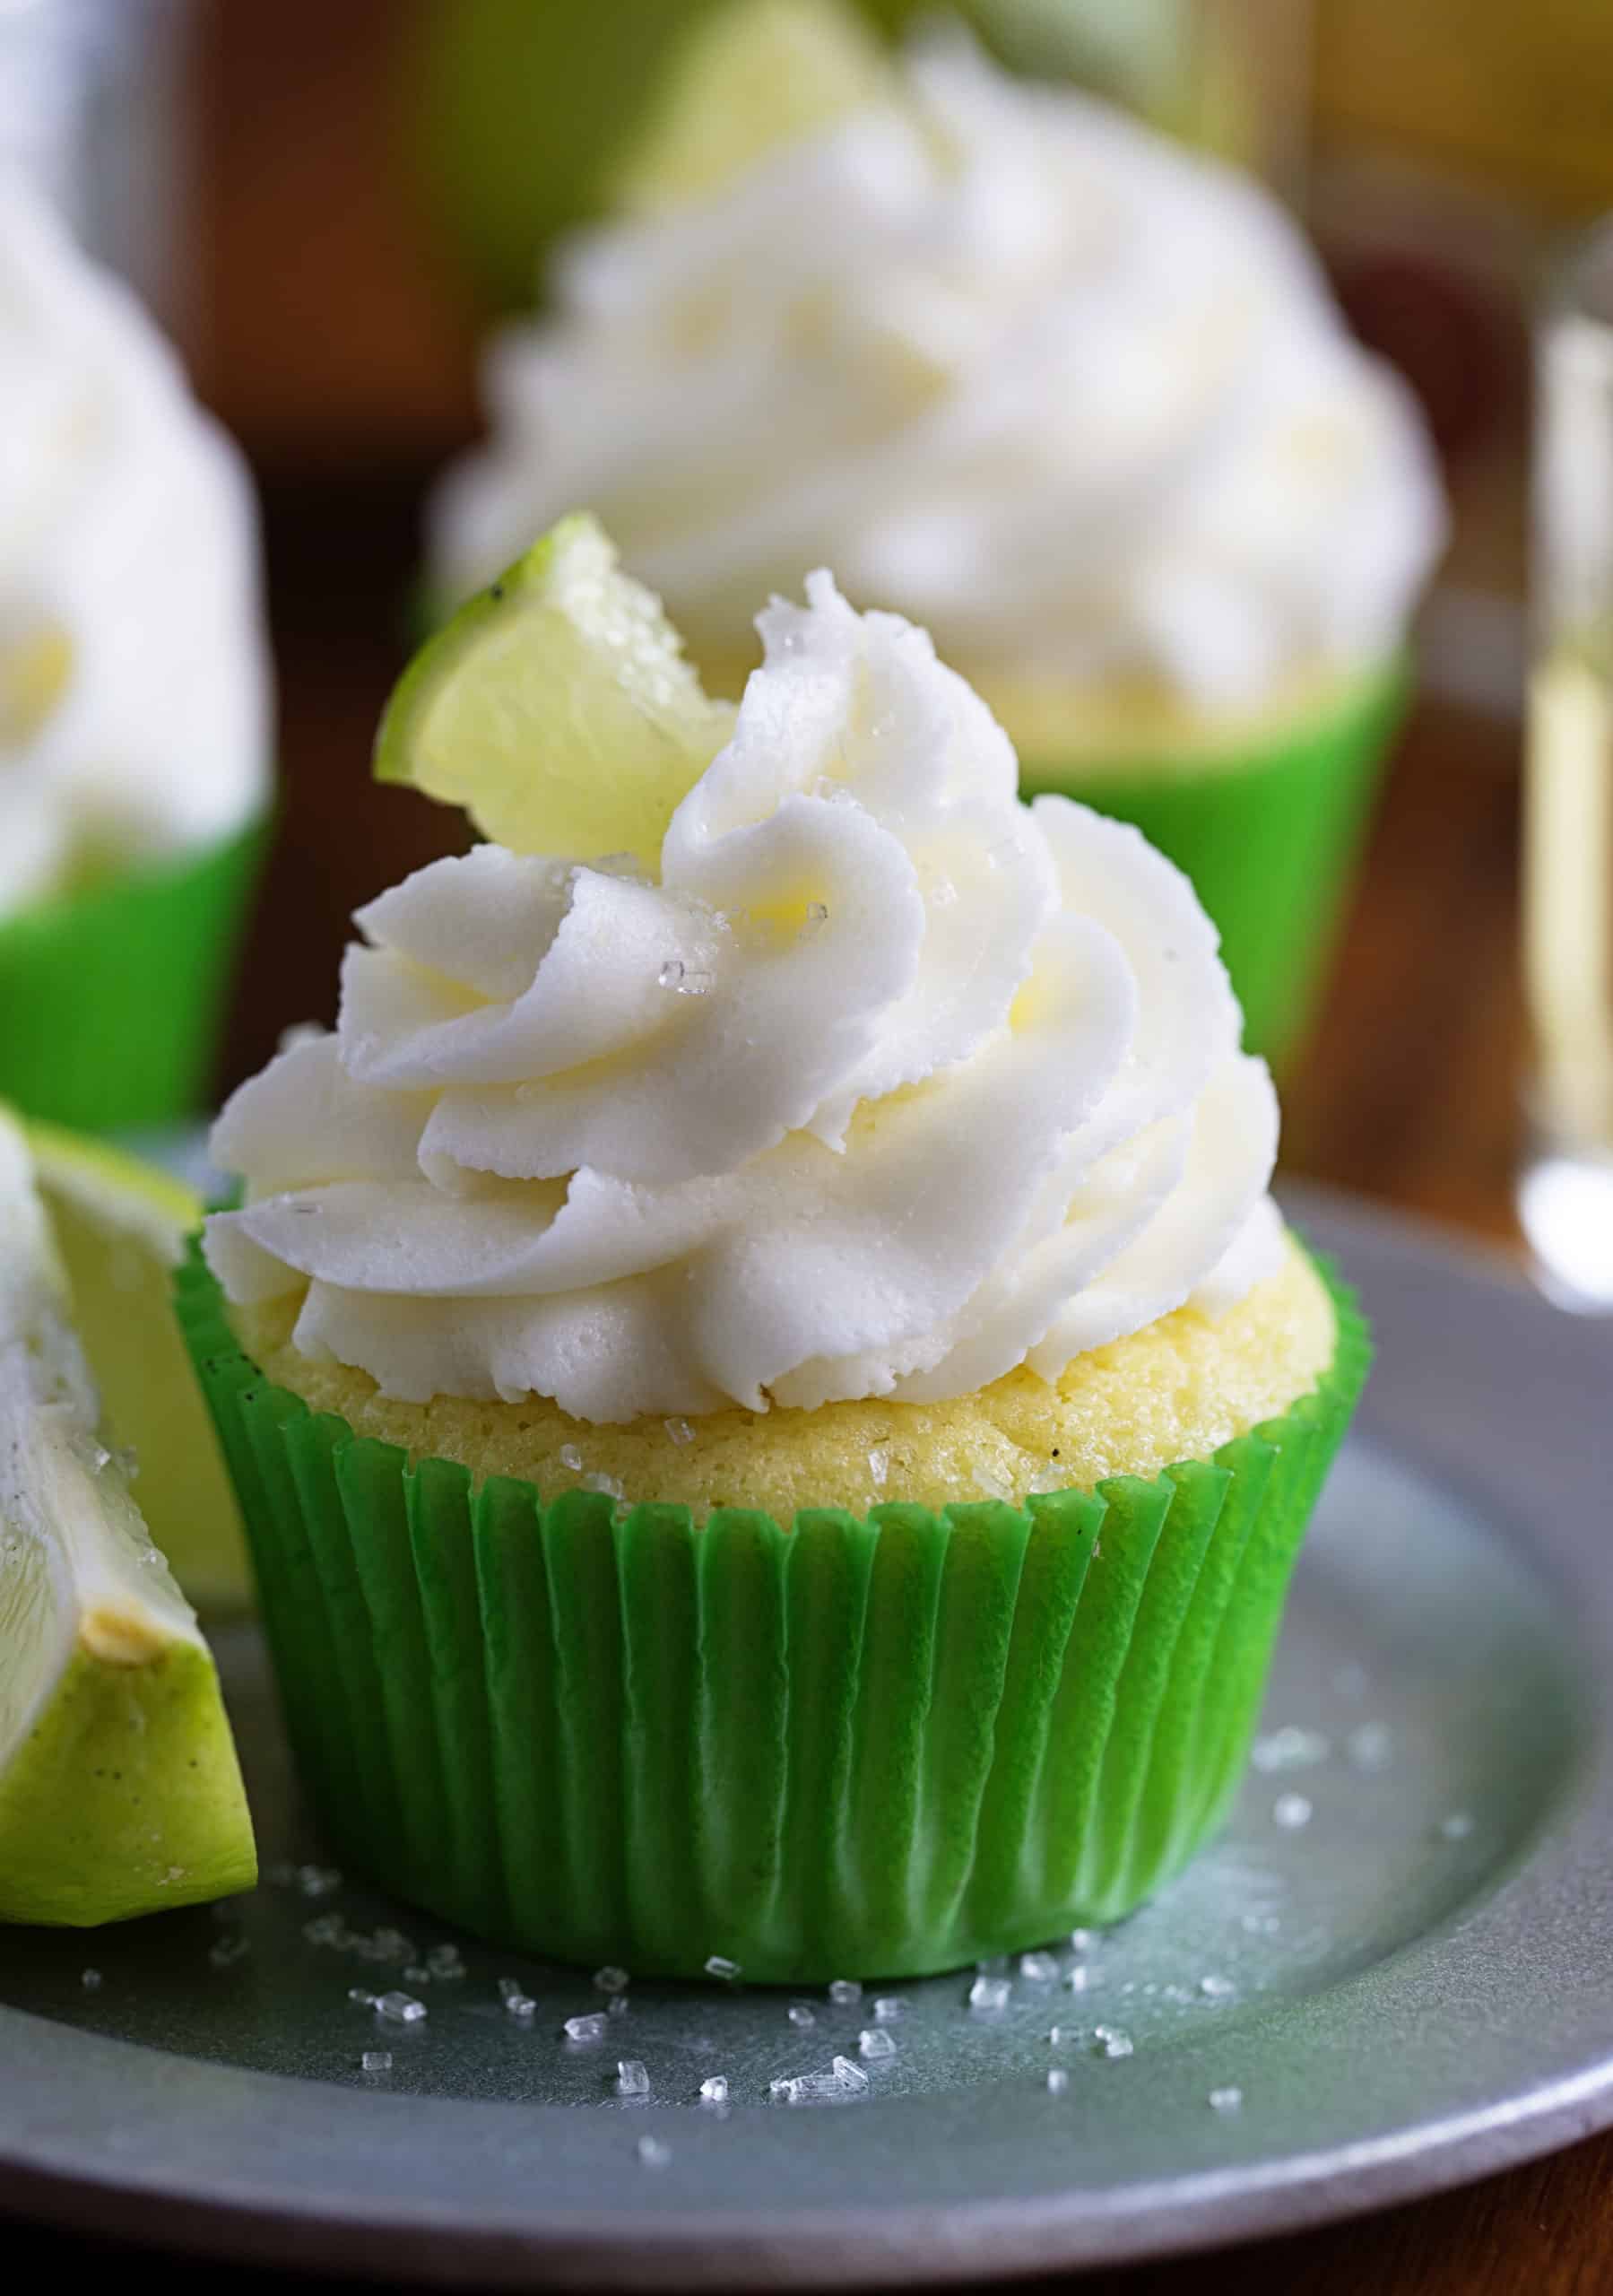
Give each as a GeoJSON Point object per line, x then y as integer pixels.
{"type": "Point", "coordinates": [1290, 1748]}
{"type": "Point", "coordinates": [376, 2060]}
{"type": "Point", "coordinates": [1058, 2081]}
{"type": "Point", "coordinates": [591, 2028]}
{"type": "Point", "coordinates": [888, 2007]}
{"type": "Point", "coordinates": [1225, 2101]}
{"type": "Point", "coordinates": [713, 2089]}
{"type": "Point", "coordinates": [851, 2075]}
{"type": "Point", "coordinates": [719, 1965]}
{"type": "Point", "coordinates": [800, 2014]}
{"type": "Point", "coordinates": [1371, 1747]}
{"type": "Point", "coordinates": [844, 1990]}
{"type": "Point", "coordinates": [400, 2008]}
{"type": "Point", "coordinates": [631, 2078]}
{"type": "Point", "coordinates": [873, 2043]}
{"type": "Point", "coordinates": [1041, 1969]}
{"type": "Point", "coordinates": [1291, 1811]}
{"type": "Point", "coordinates": [988, 1995]}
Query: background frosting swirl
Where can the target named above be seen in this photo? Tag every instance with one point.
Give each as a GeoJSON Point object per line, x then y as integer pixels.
{"type": "Point", "coordinates": [879, 1084]}
{"type": "Point", "coordinates": [134, 683]}
{"type": "Point", "coordinates": [1080, 403]}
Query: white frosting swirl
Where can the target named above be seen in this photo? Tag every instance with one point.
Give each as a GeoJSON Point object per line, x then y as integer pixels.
{"type": "Point", "coordinates": [134, 690]}
{"type": "Point", "coordinates": [1078, 402]}
{"type": "Point", "coordinates": [882, 1085]}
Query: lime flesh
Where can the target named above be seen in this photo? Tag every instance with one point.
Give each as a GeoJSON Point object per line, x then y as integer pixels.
{"type": "Point", "coordinates": [119, 1227]}
{"type": "Point", "coordinates": [556, 707]}
{"type": "Point", "coordinates": [747, 80]}
{"type": "Point", "coordinates": [119, 1789]}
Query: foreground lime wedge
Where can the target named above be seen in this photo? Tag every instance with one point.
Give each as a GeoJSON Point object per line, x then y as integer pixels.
{"type": "Point", "coordinates": [556, 707]}
{"type": "Point", "coordinates": [751, 77]}
{"type": "Point", "coordinates": [119, 1227]}
{"type": "Point", "coordinates": [119, 1789]}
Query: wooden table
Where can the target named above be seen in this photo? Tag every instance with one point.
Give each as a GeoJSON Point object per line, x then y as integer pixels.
{"type": "Point", "coordinates": [1409, 1095]}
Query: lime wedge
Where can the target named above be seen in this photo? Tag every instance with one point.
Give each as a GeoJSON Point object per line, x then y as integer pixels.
{"type": "Point", "coordinates": [747, 79]}
{"type": "Point", "coordinates": [119, 1789]}
{"type": "Point", "coordinates": [119, 1227]}
{"type": "Point", "coordinates": [556, 707]}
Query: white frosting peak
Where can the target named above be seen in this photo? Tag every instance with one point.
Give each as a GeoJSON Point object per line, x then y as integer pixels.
{"type": "Point", "coordinates": [879, 1084]}
{"type": "Point", "coordinates": [1076, 400]}
{"type": "Point", "coordinates": [134, 691]}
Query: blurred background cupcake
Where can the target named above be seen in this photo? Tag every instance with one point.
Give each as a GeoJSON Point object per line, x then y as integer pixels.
{"type": "Point", "coordinates": [1080, 403]}
{"type": "Point", "coordinates": [290, 186]}
{"type": "Point", "coordinates": [133, 695]}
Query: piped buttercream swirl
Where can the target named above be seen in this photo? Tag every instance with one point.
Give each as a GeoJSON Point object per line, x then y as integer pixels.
{"type": "Point", "coordinates": [872, 1083]}
{"type": "Point", "coordinates": [134, 683]}
{"type": "Point", "coordinates": [1075, 400]}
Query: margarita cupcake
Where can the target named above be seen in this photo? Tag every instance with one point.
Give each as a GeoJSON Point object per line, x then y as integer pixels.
{"type": "Point", "coordinates": [772, 1405]}
{"type": "Point", "coordinates": [133, 697]}
{"type": "Point", "coordinates": [1078, 402]}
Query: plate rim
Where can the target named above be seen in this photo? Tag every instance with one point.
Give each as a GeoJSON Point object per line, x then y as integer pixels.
{"type": "Point", "coordinates": [1075, 2227]}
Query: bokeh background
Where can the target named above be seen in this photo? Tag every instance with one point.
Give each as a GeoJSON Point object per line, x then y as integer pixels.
{"type": "Point", "coordinates": [335, 210]}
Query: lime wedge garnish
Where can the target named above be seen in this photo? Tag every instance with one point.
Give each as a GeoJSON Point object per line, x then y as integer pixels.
{"type": "Point", "coordinates": [119, 1227]}
{"type": "Point", "coordinates": [556, 707]}
{"type": "Point", "coordinates": [745, 80]}
{"type": "Point", "coordinates": [119, 1789]}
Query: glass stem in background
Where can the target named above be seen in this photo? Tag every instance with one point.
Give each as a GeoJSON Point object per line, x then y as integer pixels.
{"type": "Point", "coordinates": [1565, 1189]}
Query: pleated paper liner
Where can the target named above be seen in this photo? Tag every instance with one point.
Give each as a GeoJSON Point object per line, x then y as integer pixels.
{"type": "Point", "coordinates": [111, 999]}
{"type": "Point", "coordinates": [855, 1748]}
{"type": "Point", "coordinates": [1271, 840]}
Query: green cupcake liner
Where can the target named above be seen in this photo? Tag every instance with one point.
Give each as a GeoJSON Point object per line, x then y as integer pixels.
{"type": "Point", "coordinates": [1271, 840]}
{"type": "Point", "coordinates": [855, 1748]}
{"type": "Point", "coordinates": [111, 999]}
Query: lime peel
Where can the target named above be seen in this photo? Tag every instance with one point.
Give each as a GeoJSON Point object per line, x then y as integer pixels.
{"type": "Point", "coordinates": [119, 1789]}
{"type": "Point", "coordinates": [556, 707]}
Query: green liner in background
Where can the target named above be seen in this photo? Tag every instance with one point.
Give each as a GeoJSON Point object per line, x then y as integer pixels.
{"type": "Point", "coordinates": [111, 999]}
{"type": "Point", "coordinates": [860, 1748]}
{"type": "Point", "coordinates": [1271, 840]}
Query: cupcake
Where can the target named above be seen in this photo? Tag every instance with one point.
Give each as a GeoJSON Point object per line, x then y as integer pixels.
{"type": "Point", "coordinates": [772, 1405]}
{"type": "Point", "coordinates": [133, 697]}
{"type": "Point", "coordinates": [1075, 400]}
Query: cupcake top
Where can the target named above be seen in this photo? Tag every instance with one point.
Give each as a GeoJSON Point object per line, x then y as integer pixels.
{"type": "Point", "coordinates": [134, 689]}
{"type": "Point", "coordinates": [1076, 400]}
{"type": "Point", "coordinates": [870, 1082]}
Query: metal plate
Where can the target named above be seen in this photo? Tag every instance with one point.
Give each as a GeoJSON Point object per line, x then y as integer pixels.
{"type": "Point", "coordinates": [1410, 1985]}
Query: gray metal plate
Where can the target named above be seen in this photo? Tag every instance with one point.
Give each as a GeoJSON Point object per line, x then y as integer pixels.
{"type": "Point", "coordinates": [1412, 1985]}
